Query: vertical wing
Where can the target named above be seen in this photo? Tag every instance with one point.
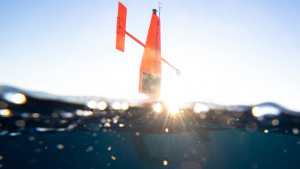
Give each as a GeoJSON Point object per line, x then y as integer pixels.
{"type": "Point", "coordinates": [121, 27]}
{"type": "Point", "coordinates": [150, 71]}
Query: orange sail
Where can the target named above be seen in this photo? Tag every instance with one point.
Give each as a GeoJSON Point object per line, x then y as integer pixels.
{"type": "Point", "coordinates": [121, 27]}
{"type": "Point", "coordinates": [150, 70]}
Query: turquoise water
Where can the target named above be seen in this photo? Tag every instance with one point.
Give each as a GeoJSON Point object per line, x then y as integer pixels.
{"type": "Point", "coordinates": [50, 132]}
{"type": "Point", "coordinates": [229, 149]}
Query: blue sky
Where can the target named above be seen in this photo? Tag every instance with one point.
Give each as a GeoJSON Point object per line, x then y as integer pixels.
{"type": "Point", "coordinates": [229, 52]}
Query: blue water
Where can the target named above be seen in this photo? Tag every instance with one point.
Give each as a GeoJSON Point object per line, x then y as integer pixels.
{"type": "Point", "coordinates": [229, 149]}
{"type": "Point", "coordinates": [237, 143]}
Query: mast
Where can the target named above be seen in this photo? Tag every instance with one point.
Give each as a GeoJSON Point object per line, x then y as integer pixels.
{"type": "Point", "coordinates": [160, 5]}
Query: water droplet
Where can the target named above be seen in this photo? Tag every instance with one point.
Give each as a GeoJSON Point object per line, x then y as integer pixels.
{"type": "Point", "coordinates": [237, 113]}
{"type": "Point", "coordinates": [295, 131]}
{"type": "Point", "coordinates": [124, 106]}
{"type": "Point", "coordinates": [31, 138]}
{"type": "Point", "coordinates": [165, 162]}
{"type": "Point", "coordinates": [202, 116]}
{"type": "Point", "coordinates": [251, 126]}
{"type": "Point", "coordinates": [275, 122]}
{"type": "Point", "coordinates": [157, 107]}
{"type": "Point", "coordinates": [5, 113]}
{"type": "Point", "coordinates": [107, 124]}
{"type": "Point", "coordinates": [87, 113]}
{"type": "Point", "coordinates": [3, 105]}
{"type": "Point", "coordinates": [90, 148]}
{"type": "Point", "coordinates": [79, 112]}
{"type": "Point", "coordinates": [2, 133]}
{"type": "Point", "coordinates": [25, 115]}
{"type": "Point", "coordinates": [66, 114]}
{"type": "Point", "coordinates": [115, 120]}
{"type": "Point", "coordinates": [91, 104]}
{"type": "Point", "coordinates": [102, 105]}
{"type": "Point", "coordinates": [219, 111]}
{"type": "Point", "coordinates": [35, 115]}
{"type": "Point", "coordinates": [55, 115]}
{"type": "Point", "coordinates": [60, 146]}
{"type": "Point", "coordinates": [14, 134]}
{"type": "Point", "coordinates": [20, 123]}
{"type": "Point", "coordinates": [116, 105]}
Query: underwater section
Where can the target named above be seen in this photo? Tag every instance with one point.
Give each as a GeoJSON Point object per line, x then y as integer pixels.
{"type": "Point", "coordinates": [40, 130]}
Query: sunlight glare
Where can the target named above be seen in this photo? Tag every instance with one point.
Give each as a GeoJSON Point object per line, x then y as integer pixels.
{"type": "Point", "coordinates": [173, 109]}
{"type": "Point", "coordinates": [116, 105]}
{"type": "Point", "coordinates": [124, 106]}
{"type": "Point", "coordinates": [201, 108]}
{"type": "Point", "coordinates": [102, 105]}
{"type": "Point", "coordinates": [265, 110]}
{"type": "Point", "coordinates": [157, 107]}
{"type": "Point", "coordinates": [92, 104]}
{"type": "Point", "coordinates": [17, 98]}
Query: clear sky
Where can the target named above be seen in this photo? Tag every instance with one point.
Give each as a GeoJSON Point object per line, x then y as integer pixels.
{"type": "Point", "coordinates": [229, 51]}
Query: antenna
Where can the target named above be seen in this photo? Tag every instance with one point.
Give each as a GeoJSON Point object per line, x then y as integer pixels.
{"type": "Point", "coordinates": [160, 5]}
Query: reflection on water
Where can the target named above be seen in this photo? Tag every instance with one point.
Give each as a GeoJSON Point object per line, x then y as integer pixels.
{"type": "Point", "coordinates": [110, 133]}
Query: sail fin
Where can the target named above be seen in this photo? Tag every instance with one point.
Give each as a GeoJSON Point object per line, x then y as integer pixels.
{"type": "Point", "coordinates": [121, 27]}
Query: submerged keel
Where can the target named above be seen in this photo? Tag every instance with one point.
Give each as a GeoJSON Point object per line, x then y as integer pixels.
{"type": "Point", "coordinates": [143, 152]}
{"type": "Point", "coordinates": [204, 135]}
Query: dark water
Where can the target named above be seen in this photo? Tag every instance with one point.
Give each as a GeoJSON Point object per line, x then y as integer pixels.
{"type": "Point", "coordinates": [47, 131]}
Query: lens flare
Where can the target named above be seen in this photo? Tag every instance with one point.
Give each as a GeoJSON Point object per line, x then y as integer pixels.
{"type": "Point", "coordinates": [124, 106]}
{"type": "Point", "coordinates": [92, 104]}
{"type": "Point", "coordinates": [157, 107]}
{"type": "Point", "coordinates": [5, 113]}
{"type": "Point", "coordinates": [102, 105]}
{"type": "Point", "coordinates": [17, 98]}
{"type": "Point", "coordinates": [116, 105]}
{"type": "Point", "coordinates": [165, 162]}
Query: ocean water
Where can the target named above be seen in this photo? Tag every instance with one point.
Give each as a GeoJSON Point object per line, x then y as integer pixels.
{"type": "Point", "coordinates": [39, 130]}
